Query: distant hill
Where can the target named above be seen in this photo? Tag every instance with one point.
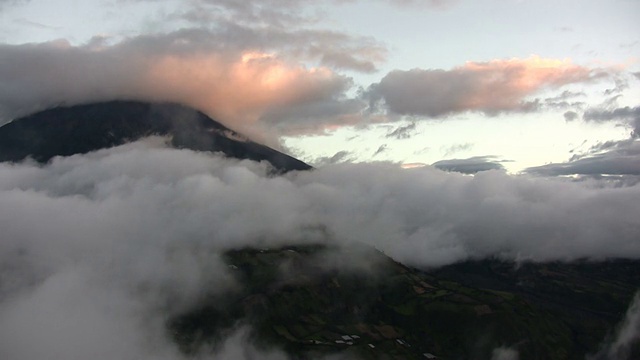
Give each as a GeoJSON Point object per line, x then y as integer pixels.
{"type": "Point", "coordinates": [65, 131]}
{"type": "Point", "coordinates": [462, 311]}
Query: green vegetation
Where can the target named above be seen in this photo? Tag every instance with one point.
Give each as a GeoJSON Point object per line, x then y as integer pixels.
{"type": "Point", "coordinates": [294, 300]}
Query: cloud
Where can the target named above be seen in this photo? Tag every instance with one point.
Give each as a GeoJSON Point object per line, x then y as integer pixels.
{"type": "Point", "coordinates": [630, 115]}
{"type": "Point", "coordinates": [456, 148]}
{"type": "Point", "coordinates": [627, 335]}
{"type": "Point", "coordinates": [239, 347]}
{"type": "Point", "coordinates": [403, 132]}
{"type": "Point", "coordinates": [98, 249]}
{"type": "Point", "coordinates": [505, 354]}
{"type": "Point", "coordinates": [469, 166]}
{"type": "Point", "coordinates": [286, 26]}
{"type": "Point", "coordinates": [38, 25]}
{"type": "Point", "coordinates": [488, 87]}
{"type": "Point", "coordinates": [242, 89]}
{"type": "Point", "coordinates": [339, 157]}
{"type": "Point", "coordinates": [566, 95]}
{"type": "Point", "coordinates": [163, 201]}
{"type": "Point", "coordinates": [259, 12]}
{"type": "Point", "coordinates": [381, 149]}
{"type": "Point", "coordinates": [617, 162]}
{"type": "Point", "coordinates": [620, 84]}
{"type": "Point", "coordinates": [280, 13]}
{"type": "Point", "coordinates": [435, 4]}
{"type": "Point", "coordinates": [564, 100]}
{"type": "Point", "coordinates": [570, 116]}
{"type": "Point", "coordinates": [616, 158]}
{"type": "Point", "coordinates": [256, 66]}
{"type": "Point", "coordinates": [5, 3]}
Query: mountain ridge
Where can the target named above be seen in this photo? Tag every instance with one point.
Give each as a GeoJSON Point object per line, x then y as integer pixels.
{"type": "Point", "coordinates": [69, 130]}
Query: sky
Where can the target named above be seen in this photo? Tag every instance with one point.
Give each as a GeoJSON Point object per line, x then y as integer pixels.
{"type": "Point", "coordinates": [542, 87]}
{"type": "Point", "coordinates": [440, 130]}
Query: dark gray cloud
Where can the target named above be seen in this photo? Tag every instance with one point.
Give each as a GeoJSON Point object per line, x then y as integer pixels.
{"type": "Point", "coordinates": [620, 84]}
{"type": "Point", "coordinates": [566, 95]}
{"type": "Point", "coordinates": [613, 158]}
{"type": "Point", "coordinates": [564, 100]}
{"type": "Point", "coordinates": [403, 132]}
{"type": "Point", "coordinates": [339, 157]}
{"type": "Point", "coordinates": [471, 165]}
{"type": "Point", "coordinates": [570, 115]}
{"type": "Point", "coordinates": [629, 115]}
{"type": "Point", "coordinates": [98, 249]}
{"type": "Point", "coordinates": [381, 149]}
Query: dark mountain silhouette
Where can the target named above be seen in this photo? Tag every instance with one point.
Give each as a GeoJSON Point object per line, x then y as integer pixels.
{"type": "Point", "coordinates": [65, 131]}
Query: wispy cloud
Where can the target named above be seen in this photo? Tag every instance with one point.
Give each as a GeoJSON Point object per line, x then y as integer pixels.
{"type": "Point", "coordinates": [403, 132]}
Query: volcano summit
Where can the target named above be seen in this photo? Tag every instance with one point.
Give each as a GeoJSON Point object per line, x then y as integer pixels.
{"type": "Point", "coordinates": [65, 131]}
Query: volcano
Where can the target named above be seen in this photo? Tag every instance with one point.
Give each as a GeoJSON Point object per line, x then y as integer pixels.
{"type": "Point", "coordinates": [292, 300]}
{"type": "Point", "coordinates": [65, 131]}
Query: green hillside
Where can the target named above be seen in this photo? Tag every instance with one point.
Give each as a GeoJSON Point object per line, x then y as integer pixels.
{"type": "Point", "coordinates": [316, 300]}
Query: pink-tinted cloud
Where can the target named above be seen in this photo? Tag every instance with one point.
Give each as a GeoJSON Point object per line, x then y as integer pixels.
{"type": "Point", "coordinates": [243, 89]}
{"type": "Point", "coordinates": [236, 87]}
{"type": "Point", "coordinates": [489, 87]}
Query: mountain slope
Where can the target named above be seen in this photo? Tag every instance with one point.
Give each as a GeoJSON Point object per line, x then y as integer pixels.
{"type": "Point", "coordinates": [316, 300]}
{"type": "Point", "coordinates": [65, 131]}
{"type": "Point", "coordinates": [390, 311]}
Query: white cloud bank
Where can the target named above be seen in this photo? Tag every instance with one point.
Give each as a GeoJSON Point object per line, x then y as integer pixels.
{"type": "Point", "coordinates": [97, 250]}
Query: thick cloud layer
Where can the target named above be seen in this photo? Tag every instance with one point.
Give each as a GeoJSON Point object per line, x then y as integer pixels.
{"type": "Point", "coordinates": [237, 87]}
{"type": "Point", "coordinates": [489, 87]}
{"type": "Point", "coordinates": [99, 249]}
